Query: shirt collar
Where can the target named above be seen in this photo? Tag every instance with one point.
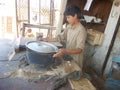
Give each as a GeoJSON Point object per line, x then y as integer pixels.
{"type": "Point", "coordinates": [74, 26]}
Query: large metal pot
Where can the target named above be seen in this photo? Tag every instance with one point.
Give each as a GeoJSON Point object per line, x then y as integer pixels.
{"type": "Point", "coordinates": [40, 53]}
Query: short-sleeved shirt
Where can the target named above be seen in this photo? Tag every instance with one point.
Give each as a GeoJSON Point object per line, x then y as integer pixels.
{"type": "Point", "coordinates": [74, 37]}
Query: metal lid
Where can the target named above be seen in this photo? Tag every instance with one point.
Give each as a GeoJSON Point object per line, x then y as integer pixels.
{"type": "Point", "coordinates": [41, 47]}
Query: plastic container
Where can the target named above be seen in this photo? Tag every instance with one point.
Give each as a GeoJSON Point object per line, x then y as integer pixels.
{"type": "Point", "coordinates": [113, 80]}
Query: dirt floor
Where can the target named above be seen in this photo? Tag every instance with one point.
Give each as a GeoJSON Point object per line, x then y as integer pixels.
{"type": "Point", "coordinates": [22, 84]}
{"type": "Point", "coordinates": [96, 80]}
{"type": "Point", "coordinates": [16, 83]}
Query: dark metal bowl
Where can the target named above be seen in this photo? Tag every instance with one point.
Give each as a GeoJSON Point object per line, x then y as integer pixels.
{"type": "Point", "coordinates": [39, 55]}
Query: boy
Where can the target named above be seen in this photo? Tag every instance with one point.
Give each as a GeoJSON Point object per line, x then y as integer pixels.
{"type": "Point", "coordinates": [74, 36]}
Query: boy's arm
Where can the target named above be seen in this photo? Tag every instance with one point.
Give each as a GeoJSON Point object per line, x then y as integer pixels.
{"type": "Point", "coordinates": [67, 51]}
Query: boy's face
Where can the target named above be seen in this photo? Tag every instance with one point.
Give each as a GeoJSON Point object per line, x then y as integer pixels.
{"type": "Point", "coordinates": [71, 19]}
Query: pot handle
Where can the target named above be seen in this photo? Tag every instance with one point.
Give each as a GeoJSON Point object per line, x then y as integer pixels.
{"type": "Point", "coordinates": [67, 57]}
{"type": "Point", "coordinates": [57, 61]}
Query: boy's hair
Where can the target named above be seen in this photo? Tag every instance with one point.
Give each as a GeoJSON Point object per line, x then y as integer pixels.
{"type": "Point", "coordinates": [72, 10]}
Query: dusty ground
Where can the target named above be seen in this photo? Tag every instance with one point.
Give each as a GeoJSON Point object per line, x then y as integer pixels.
{"type": "Point", "coordinates": [97, 81]}
{"type": "Point", "coordinates": [20, 84]}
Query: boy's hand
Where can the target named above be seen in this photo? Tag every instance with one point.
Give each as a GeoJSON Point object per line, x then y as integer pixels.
{"type": "Point", "coordinates": [60, 52]}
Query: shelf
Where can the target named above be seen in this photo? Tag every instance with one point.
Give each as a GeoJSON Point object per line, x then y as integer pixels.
{"type": "Point", "coordinates": [96, 23]}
